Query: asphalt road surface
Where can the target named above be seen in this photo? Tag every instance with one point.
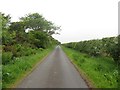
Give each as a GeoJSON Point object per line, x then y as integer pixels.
{"type": "Point", "coordinates": [56, 71]}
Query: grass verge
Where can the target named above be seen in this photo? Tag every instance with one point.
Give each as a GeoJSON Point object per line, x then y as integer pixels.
{"type": "Point", "coordinates": [15, 71]}
{"type": "Point", "coordinates": [101, 71]}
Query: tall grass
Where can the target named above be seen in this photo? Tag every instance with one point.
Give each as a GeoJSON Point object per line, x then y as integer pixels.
{"type": "Point", "coordinates": [15, 70]}
{"type": "Point", "coordinates": [102, 71]}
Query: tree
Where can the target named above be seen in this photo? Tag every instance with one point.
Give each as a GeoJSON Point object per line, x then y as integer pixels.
{"type": "Point", "coordinates": [15, 38]}
{"type": "Point", "coordinates": [38, 22]}
{"type": "Point", "coordinates": [38, 39]}
{"type": "Point", "coordinates": [18, 29]}
{"type": "Point", "coordinates": [5, 21]}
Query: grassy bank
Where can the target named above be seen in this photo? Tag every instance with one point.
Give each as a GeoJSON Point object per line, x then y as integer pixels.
{"type": "Point", "coordinates": [14, 71]}
{"type": "Point", "coordinates": [101, 71]}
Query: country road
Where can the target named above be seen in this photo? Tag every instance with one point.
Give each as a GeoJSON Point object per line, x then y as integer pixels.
{"type": "Point", "coordinates": [56, 71]}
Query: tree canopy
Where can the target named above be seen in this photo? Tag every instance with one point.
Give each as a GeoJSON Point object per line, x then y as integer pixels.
{"type": "Point", "coordinates": [37, 22]}
{"type": "Point", "coordinates": [15, 39]}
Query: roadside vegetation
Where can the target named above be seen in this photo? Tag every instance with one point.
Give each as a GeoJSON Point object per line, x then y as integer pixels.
{"type": "Point", "coordinates": [98, 59]}
{"type": "Point", "coordinates": [24, 43]}
{"type": "Point", "coordinates": [15, 71]}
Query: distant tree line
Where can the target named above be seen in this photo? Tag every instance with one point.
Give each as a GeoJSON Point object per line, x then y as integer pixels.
{"type": "Point", "coordinates": [26, 36]}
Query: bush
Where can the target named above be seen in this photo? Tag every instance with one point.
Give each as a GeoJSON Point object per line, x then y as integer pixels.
{"type": "Point", "coordinates": [22, 50]}
{"type": "Point", "coordinates": [6, 57]}
{"type": "Point", "coordinates": [28, 51]}
{"type": "Point", "coordinates": [98, 47]}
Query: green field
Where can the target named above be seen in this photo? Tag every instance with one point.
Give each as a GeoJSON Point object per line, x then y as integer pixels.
{"type": "Point", "coordinates": [15, 71]}
{"type": "Point", "coordinates": [100, 71]}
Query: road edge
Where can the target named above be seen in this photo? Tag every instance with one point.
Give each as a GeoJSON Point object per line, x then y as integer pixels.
{"type": "Point", "coordinates": [82, 73]}
{"type": "Point", "coordinates": [30, 71]}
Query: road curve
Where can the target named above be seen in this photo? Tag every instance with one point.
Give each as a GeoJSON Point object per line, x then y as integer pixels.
{"type": "Point", "coordinates": [56, 71]}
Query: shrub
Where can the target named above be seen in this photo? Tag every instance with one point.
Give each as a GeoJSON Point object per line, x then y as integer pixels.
{"type": "Point", "coordinates": [6, 57]}
{"type": "Point", "coordinates": [99, 47]}
{"type": "Point", "coordinates": [22, 50]}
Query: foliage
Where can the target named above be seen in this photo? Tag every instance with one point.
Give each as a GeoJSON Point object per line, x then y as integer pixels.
{"type": "Point", "coordinates": [24, 43]}
{"type": "Point", "coordinates": [38, 39]}
{"type": "Point", "coordinates": [21, 65]}
{"type": "Point", "coordinates": [6, 57]}
{"type": "Point", "coordinates": [37, 22]}
{"type": "Point", "coordinates": [101, 71]}
{"type": "Point", "coordinates": [20, 43]}
{"type": "Point", "coordinates": [5, 20]}
{"type": "Point", "coordinates": [99, 47]}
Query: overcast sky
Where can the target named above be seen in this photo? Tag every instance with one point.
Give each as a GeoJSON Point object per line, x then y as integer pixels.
{"type": "Point", "coordinates": [79, 19]}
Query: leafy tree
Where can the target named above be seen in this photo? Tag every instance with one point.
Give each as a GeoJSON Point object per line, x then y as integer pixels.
{"type": "Point", "coordinates": [21, 43]}
{"type": "Point", "coordinates": [18, 29]}
{"type": "Point", "coordinates": [6, 37]}
{"type": "Point", "coordinates": [38, 39]}
{"type": "Point", "coordinates": [5, 20]}
{"type": "Point", "coordinates": [38, 22]}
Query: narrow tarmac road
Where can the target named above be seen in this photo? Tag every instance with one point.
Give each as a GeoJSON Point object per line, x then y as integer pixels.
{"type": "Point", "coordinates": [56, 71]}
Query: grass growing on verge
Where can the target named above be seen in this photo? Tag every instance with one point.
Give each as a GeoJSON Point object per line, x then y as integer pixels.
{"type": "Point", "coordinates": [14, 71]}
{"type": "Point", "coordinates": [102, 71]}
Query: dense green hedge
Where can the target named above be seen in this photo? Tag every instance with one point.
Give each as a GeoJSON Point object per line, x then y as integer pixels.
{"type": "Point", "coordinates": [99, 47]}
